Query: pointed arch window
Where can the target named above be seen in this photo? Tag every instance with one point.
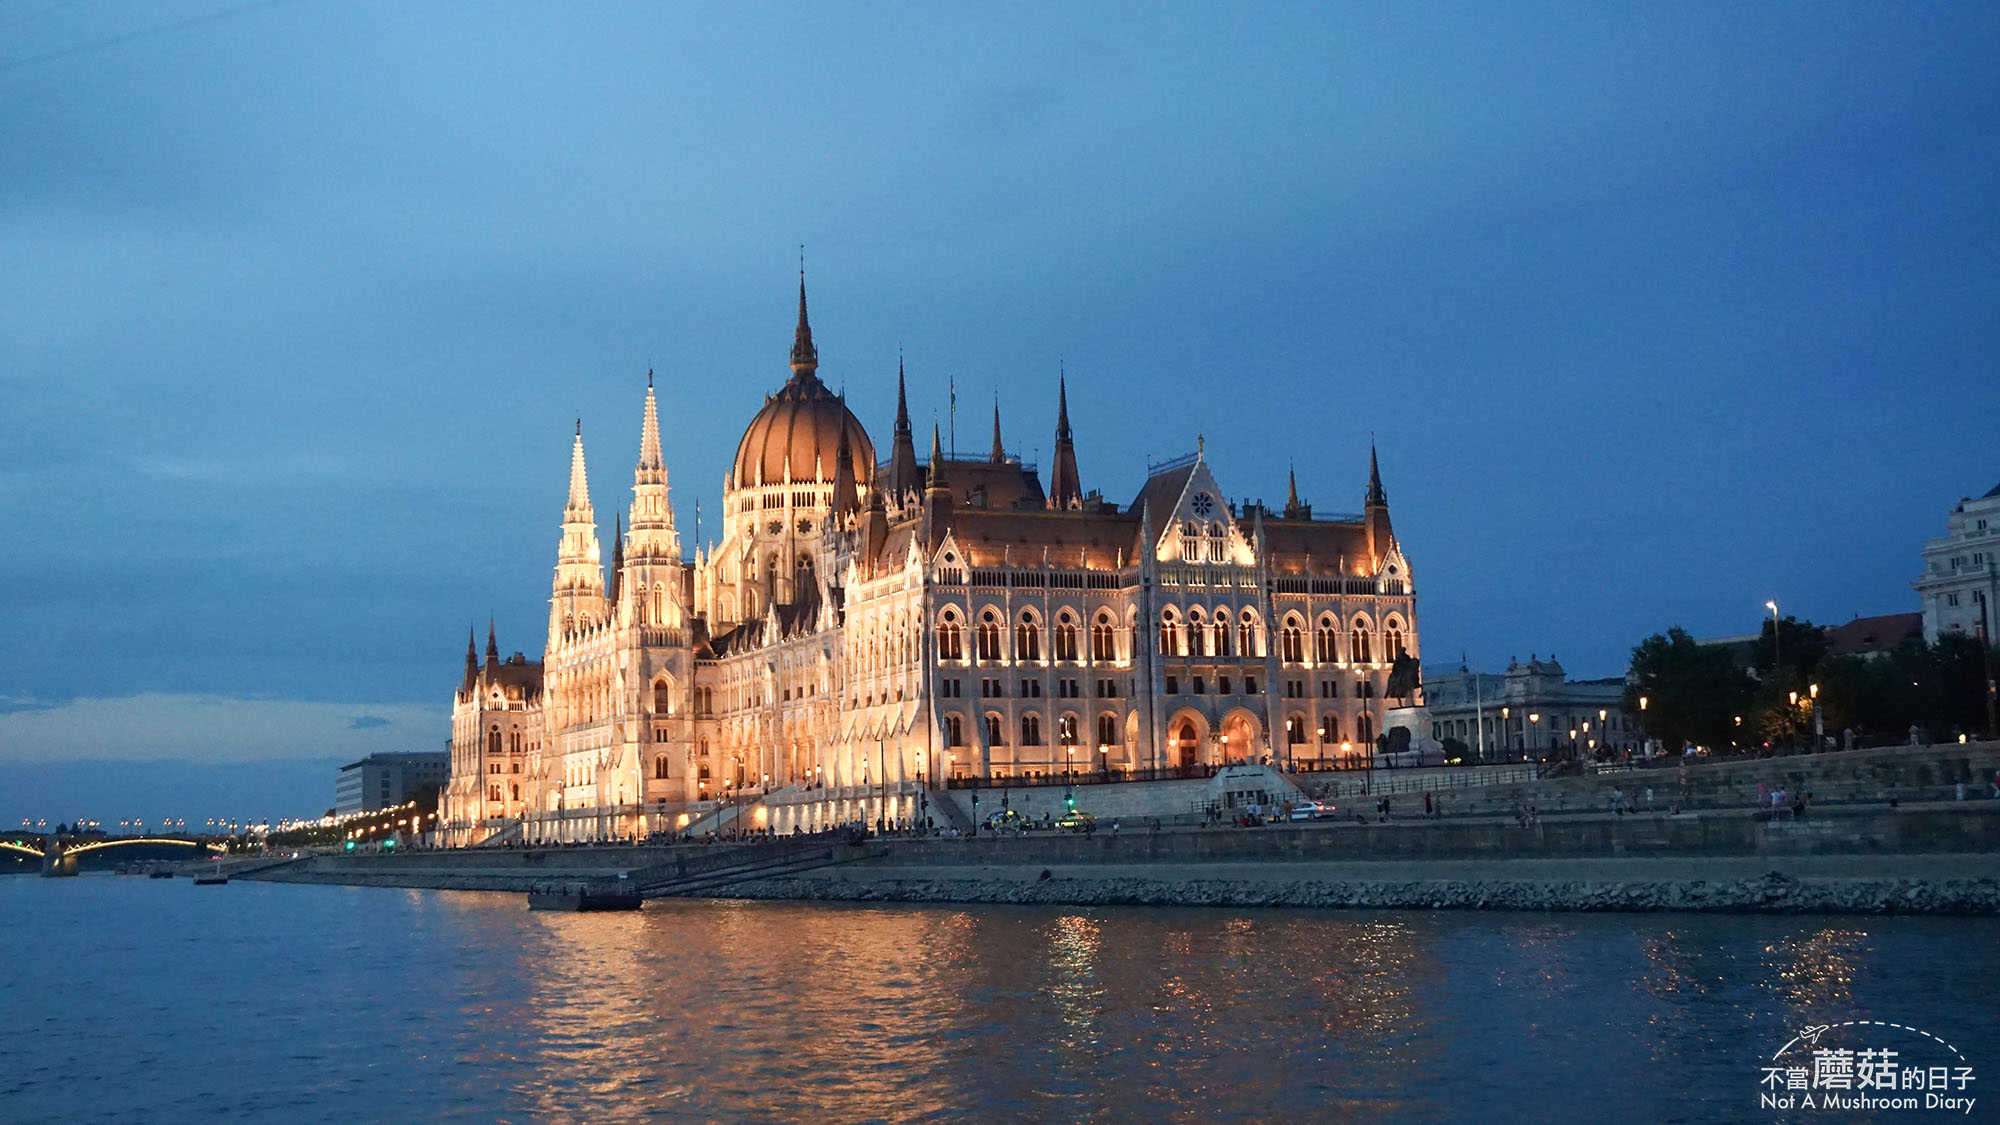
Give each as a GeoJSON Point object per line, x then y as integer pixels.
{"type": "Point", "coordinates": [988, 636]}
{"type": "Point", "coordinates": [951, 641]}
{"type": "Point", "coordinates": [1360, 647]}
{"type": "Point", "coordinates": [1392, 640]}
{"type": "Point", "coordinates": [1031, 729]}
{"type": "Point", "coordinates": [1326, 642]}
{"type": "Point", "coordinates": [1065, 637]}
{"type": "Point", "coordinates": [663, 698]}
{"type": "Point", "coordinates": [996, 734]}
{"type": "Point", "coordinates": [1028, 639]}
{"type": "Point", "coordinates": [1103, 643]}
{"type": "Point", "coordinates": [1197, 634]}
{"type": "Point", "coordinates": [1107, 730]}
{"type": "Point", "coordinates": [1364, 729]}
{"type": "Point", "coordinates": [1170, 634]}
{"type": "Point", "coordinates": [660, 767]}
{"type": "Point", "coordinates": [493, 741]}
{"type": "Point", "coordinates": [954, 730]}
{"type": "Point", "coordinates": [1246, 635]}
{"type": "Point", "coordinates": [1066, 731]}
{"type": "Point", "coordinates": [1221, 633]}
{"type": "Point", "coordinates": [1292, 642]}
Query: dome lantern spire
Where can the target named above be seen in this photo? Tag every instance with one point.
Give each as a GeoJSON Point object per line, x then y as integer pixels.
{"type": "Point", "coordinates": [805, 358]}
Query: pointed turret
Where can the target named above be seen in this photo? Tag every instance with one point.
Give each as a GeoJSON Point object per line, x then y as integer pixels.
{"type": "Point", "coordinates": [999, 451]}
{"type": "Point", "coordinates": [805, 359]}
{"type": "Point", "coordinates": [577, 594]}
{"type": "Point", "coordinates": [1380, 535]}
{"type": "Point", "coordinates": [903, 454]}
{"type": "Point", "coordinates": [845, 499]}
{"type": "Point", "coordinates": [471, 658]}
{"type": "Point", "coordinates": [937, 494]}
{"type": "Point", "coordinates": [1293, 509]}
{"type": "Point", "coordinates": [653, 534]}
{"type": "Point", "coordinates": [492, 645]}
{"type": "Point", "coordinates": [1065, 490]}
{"type": "Point", "coordinates": [617, 561]}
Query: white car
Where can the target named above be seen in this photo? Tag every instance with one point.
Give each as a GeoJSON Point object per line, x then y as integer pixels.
{"type": "Point", "coordinates": [1312, 810]}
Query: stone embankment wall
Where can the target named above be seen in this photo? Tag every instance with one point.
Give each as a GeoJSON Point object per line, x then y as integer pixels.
{"type": "Point", "coordinates": [1770, 893]}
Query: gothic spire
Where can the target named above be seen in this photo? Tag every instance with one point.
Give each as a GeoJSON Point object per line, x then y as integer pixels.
{"type": "Point", "coordinates": [492, 644]}
{"type": "Point", "coordinates": [617, 559]}
{"type": "Point", "coordinates": [844, 498]}
{"type": "Point", "coordinates": [471, 657]}
{"type": "Point", "coordinates": [805, 359]}
{"type": "Point", "coordinates": [903, 453]}
{"type": "Point", "coordinates": [1376, 497]}
{"type": "Point", "coordinates": [935, 481]}
{"type": "Point", "coordinates": [1293, 509]}
{"type": "Point", "coordinates": [999, 451]}
{"type": "Point", "coordinates": [649, 434]}
{"type": "Point", "coordinates": [1065, 490]}
{"type": "Point", "coordinates": [578, 508]}
{"type": "Point", "coordinates": [653, 534]}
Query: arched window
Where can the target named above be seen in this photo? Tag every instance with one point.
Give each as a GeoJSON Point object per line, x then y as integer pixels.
{"type": "Point", "coordinates": [996, 735]}
{"type": "Point", "coordinates": [1221, 633]}
{"type": "Point", "coordinates": [951, 642]}
{"type": "Point", "coordinates": [1170, 634]}
{"type": "Point", "coordinates": [954, 731]}
{"type": "Point", "coordinates": [1197, 634]}
{"type": "Point", "coordinates": [1027, 639]}
{"type": "Point", "coordinates": [1190, 541]}
{"type": "Point", "coordinates": [493, 741]}
{"type": "Point", "coordinates": [1292, 642]}
{"type": "Point", "coordinates": [1364, 729]}
{"type": "Point", "coordinates": [1295, 730]}
{"type": "Point", "coordinates": [989, 636]}
{"type": "Point", "coordinates": [1326, 642]}
{"type": "Point", "coordinates": [1066, 730]}
{"type": "Point", "coordinates": [660, 767]}
{"type": "Point", "coordinates": [1065, 637]}
{"type": "Point", "coordinates": [1392, 639]}
{"type": "Point", "coordinates": [1103, 645]}
{"type": "Point", "coordinates": [1246, 635]}
{"type": "Point", "coordinates": [1329, 728]}
{"type": "Point", "coordinates": [663, 698]}
{"type": "Point", "coordinates": [1107, 730]}
{"type": "Point", "coordinates": [1360, 647]}
{"type": "Point", "coordinates": [1031, 729]}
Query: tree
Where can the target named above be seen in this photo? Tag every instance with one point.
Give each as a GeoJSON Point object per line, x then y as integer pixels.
{"type": "Point", "coordinates": [1694, 693]}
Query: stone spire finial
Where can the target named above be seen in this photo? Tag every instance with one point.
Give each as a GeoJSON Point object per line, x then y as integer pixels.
{"type": "Point", "coordinates": [805, 358]}
{"type": "Point", "coordinates": [903, 452]}
{"type": "Point", "coordinates": [935, 481]}
{"type": "Point", "coordinates": [578, 507]}
{"type": "Point", "coordinates": [1375, 494]}
{"type": "Point", "coordinates": [999, 451]}
{"type": "Point", "coordinates": [1065, 489]}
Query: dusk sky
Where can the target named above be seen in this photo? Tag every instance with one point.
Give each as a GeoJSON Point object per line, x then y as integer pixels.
{"type": "Point", "coordinates": [1655, 313]}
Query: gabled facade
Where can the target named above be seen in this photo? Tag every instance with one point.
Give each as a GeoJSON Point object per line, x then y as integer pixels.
{"type": "Point", "coordinates": [864, 628]}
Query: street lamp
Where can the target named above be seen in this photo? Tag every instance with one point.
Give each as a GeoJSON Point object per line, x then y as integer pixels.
{"type": "Point", "coordinates": [1773, 607]}
{"type": "Point", "coordinates": [1506, 729]}
{"type": "Point", "coordinates": [1534, 729]}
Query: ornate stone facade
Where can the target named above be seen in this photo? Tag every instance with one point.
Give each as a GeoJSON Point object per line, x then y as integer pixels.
{"type": "Point", "coordinates": [861, 630]}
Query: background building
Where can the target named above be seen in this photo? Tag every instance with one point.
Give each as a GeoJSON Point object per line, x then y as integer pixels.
{"type": "Point", "coordinates": [1528, 712]}
{"type": "Point", "coordinates": [382, 781]}
{"type": "Point", "coordinates": [1961, 579]}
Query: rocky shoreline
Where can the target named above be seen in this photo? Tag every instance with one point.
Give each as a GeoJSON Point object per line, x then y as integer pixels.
{"type": "Point", "coordinates": [1771, 893]}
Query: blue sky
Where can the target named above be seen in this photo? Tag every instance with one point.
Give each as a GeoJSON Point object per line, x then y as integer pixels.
{"type": "Point", "coordinates": [1655, 311]}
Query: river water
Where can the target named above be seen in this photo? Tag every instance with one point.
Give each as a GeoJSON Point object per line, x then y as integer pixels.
{"type": "Point", "coordinates": [127, 999]}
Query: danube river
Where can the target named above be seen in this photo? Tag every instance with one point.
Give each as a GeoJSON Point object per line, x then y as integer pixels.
{"type": "Point", "coordinates": [147, 1000]}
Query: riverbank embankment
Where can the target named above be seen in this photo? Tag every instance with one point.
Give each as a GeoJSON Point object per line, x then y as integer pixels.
{"type": "Point", "coordinates": [1934, 859]}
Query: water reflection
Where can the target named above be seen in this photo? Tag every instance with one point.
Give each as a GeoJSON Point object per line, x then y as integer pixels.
{"type": "Point", "coordinates": [342, 1004]}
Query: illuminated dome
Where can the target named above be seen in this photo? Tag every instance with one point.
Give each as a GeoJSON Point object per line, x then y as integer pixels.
{"type": "Point", "coordinates": [796, 437]}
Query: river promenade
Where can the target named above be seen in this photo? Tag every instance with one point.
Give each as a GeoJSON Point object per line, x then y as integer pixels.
{"type": "Point", "coordinates": [1932, 858]}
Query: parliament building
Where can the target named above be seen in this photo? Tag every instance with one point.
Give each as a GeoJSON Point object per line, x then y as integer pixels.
{"type": "Point", "coordinates": [868, 628]}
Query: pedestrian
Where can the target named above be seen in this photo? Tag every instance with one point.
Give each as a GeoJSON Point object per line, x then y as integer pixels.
{"type": "Point", "coordinates": [1427, 803]}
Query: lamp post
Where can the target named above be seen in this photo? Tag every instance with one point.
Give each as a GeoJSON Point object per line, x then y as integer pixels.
{"type": "Point", "coordinates": [1819, 730]}
{"type": "Point", "coordinates": [1773, 607]}
{"type": "Point", "coordinates": [1534, 729]}
{"type": "Point", "coordinates": [1506, 730]}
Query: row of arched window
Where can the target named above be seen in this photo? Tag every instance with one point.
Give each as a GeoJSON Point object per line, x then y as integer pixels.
{"type": "Point", "coordinates": [1066, 637]}
{"type": "Point", "coordinates": [1223, 635]}
{"type": "Point", "coordinates": [1326, 641]}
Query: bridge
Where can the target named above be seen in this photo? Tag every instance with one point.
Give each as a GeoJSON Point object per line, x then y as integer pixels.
{"type": "Point", "coordinates": [59, 859]}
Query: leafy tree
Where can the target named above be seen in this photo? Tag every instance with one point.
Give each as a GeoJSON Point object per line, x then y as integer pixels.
{"type": "Point", "coordinates": [1694, 693]}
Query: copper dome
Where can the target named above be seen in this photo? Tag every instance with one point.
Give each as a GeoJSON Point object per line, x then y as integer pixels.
{"type": "Point", "coordinates": [796, 437]}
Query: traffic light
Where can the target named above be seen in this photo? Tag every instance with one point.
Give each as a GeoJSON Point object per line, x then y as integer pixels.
{"type": "Point", "coordinates": [389, 845]}
{"type": "Point", "coordinates": [350, 845]}
{"type": "Point", "coordinates": [1069, 799]}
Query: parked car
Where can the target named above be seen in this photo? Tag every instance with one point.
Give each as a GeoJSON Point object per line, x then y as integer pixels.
{"type": "Point", "coordinates": [1008, 820]}
{"type": "Point", "coordinates": [1312, 810]}
{"type": "Point", "coordinates": [1077, 822]}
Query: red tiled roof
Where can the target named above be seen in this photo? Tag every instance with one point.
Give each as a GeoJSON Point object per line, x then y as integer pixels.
{"type": "Point", "coordinates": [1874, 634]}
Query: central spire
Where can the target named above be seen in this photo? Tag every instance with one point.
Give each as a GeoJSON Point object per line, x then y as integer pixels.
{"type": "Point", "coordinates": [805, 359]}
{"type": "Point", "coordinates": [1065, 489]}
{"type": "Point", "coordinates": [578, 508]}
{"type": "Point", "coordinates": [999, 451]}
{"type": "Point", "coordinates": [903, 454]}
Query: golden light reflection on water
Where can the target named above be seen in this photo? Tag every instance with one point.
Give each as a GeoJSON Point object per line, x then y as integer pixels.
{"type": "Point", "coordinates": [1816, 969]}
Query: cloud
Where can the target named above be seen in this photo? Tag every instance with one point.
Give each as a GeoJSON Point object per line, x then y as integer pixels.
{"type": "Point", "coordinates": [216, 729]}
